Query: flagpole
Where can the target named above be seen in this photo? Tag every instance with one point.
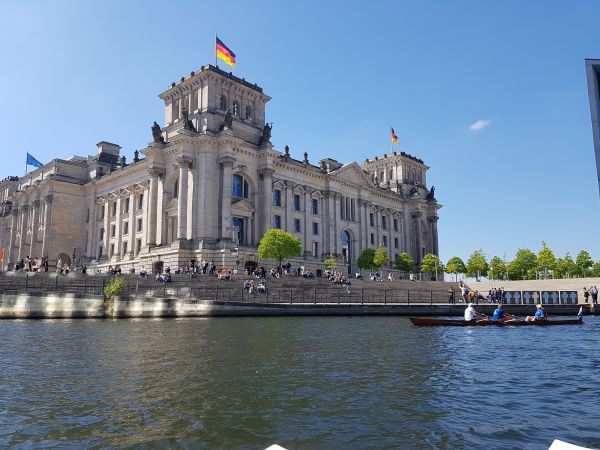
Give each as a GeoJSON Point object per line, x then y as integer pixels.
{"type": "Point", "coordinates": [216, 62]}
{"type": "Point", "coordinates": [25, 165]}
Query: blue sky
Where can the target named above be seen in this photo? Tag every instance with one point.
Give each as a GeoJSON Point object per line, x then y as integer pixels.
{"type": "Point", "coordinates": [340, 74]}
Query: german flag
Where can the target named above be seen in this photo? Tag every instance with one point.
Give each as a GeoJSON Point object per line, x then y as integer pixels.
{"type": "Point", "coordinates": [224, 53]}
{"type": "Point", "coordinates": [394, 137]}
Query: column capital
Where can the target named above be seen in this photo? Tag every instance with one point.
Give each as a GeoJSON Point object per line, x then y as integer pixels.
{"type": "Point", "coordinates": [417, 214]}
{"type": "Point", "coordinates": [25, 208]}
{"type": "Point", "coordinates": [266, 172]}
{"type": "Point", "coordinates": [227, 161]}
{"type": "Point", "coordinates": [433, 219]}
{"type": "Point", "coordinates": [156, 172]}
{"type": "Point", "coordinates": [14, 212]}
{"type": "Point", "coordinates": [184, 161]}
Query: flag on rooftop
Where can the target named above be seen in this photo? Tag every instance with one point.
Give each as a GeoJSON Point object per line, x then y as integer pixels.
{"type": "Point", "coordinates": [224, 53]}
{"type": "Point", "coordinates": [394, 137]}
{"type": "Point", "coordinates": [31, 161]}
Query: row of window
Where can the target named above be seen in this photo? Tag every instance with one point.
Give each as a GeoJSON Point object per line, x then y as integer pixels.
{"type": "Point", "coordinates": [113, 207]}
{"type": "Point", "coordinates": [384, 241]}
{"type": "Point", "coordinates": [124, 249]}
{"type": "Point", "coordinates": [296, 200]}
{"type": "Point", "coordinates": [113, 228]}
{"type": "Point", "coordinates": [384, 222]}
{"type": "Point", "coordinates": [235, 108]}
{"type": "Point", "coordinates": [297, 225]}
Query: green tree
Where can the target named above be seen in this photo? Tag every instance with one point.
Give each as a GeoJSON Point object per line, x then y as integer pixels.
{"type": "Point", "coordinates": [115, 287]}
{"type": "Point", "coordinates": [380, 258]}
{"type": "Point", "coordinates": [404, 262]}
{"type": "Point", "coordinates": [497, 268]}
{"type": "Point", "coordinates": [584, 263]}
{"type": "Point", "coordinates": [330, 261]}
{"type": "Point", "coordinates": [477, 265]}
{"type": "Point", "coordinates": [365, 260]}
{"type": "Point", "coordinates": [431, 264]}
{"type": "Point", "coordinates": [596, 269]}
{"type": "Point", "coordinates": [278, 244]}
{"type": "Point", "coordinates": [564, 267]}
{"type": "Point", "coordinates": [523, 266]}
{"type": "Point", "coordinates": [455, 265]}
{"type": "Point", "coordinates": [545, 259]}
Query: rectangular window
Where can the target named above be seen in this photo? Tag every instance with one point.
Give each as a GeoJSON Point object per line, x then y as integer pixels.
{"type": "Point", "coordinates": [125, 227]}
{"type": "Point", "coordinates": [385, 241]}
{"type": "Point", "coordinates": [126, 209]}
{"type": "Point", "coordinates": [342, 208]}
{"type": "Point", "coordinates": [372, 239]}
{"type": "Point", "coordinates": [315, 228]}
{"type": "Point", "coordinates": [384, 222]}
{"type": "Point", "coordinates": [139, 224]}
{"type": "Point", "coordinates": [138, 246]}
{"type": "Point", "coordinates": [371, 219]}
{"type": "Point", "coordinates": [101, 234]}
{"type": "Point", "coordinates": [296, 202]}
{"type": "Point", "coordinates": [297, 225]}
{"type": "Point", "coordinates": [315, 249]}
{"type": "Point", "coordinates": [112, 250]}
{"type": "Point", "coordinates": [315, 206]}
{"type": "Point", "coordinates": [140, 201]}
{"type": "Point", "coordinates": [395, 224]}
{"type": "Point", "coordinates": [124, 248]}
{"type": "Point", "coordinates": [114, 209]}
{"type": "Point", "coordinates": [395, 242]}
{"type": "Point", "coordinates": [87, 216]}
{"type": "Point", "coordinates": [277, 222]}
{"type": "Point", "coordinates": [112, 231]}
{"type": "Point", "coordinates": [277, 197]}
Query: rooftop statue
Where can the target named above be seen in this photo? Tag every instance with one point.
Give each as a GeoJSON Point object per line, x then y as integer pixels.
{"type": "Point", "coordinates": [266, 136]}
{"type": "Point", "coordinates": [228, 121]}
{"type": "Point", "coordinates": [431, 194]}
{"type": "Point", "coordinates": [157, 133]}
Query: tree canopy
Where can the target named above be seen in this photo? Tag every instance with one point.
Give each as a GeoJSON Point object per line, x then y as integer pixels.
{"type": "Point", "coordinates": [455, 265]}
{"type": "Point", "coordinates": [497, 268]}
{"type": "Point", "coordinates": [545, 259]}
{"type": "Point", "coordinates": [584, 263]}
{"type": "Point", "coordinates": [278, 244]}
{"type": "Point", "coordinates": [404, 262]}
{"type": "Point", "coordinates": [431, 264]}
{"type": "Point", "coordinates": [523, 266]}
{"type": "Point", "coordinates": [330, 261]}
{"type": "Point", "coordinates": [564, 267]}
{"type": "Point", "coordinates": [380, 258]}
{"type": "Point", "coordinates": [365, 260]}
{"type": "Point", "coordinates": [477, 265]}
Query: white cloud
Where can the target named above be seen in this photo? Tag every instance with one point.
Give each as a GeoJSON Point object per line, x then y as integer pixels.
{"type": "Point", "coordinates": [480, 125]}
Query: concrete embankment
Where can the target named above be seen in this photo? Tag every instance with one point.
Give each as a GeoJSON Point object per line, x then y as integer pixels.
{"type": "Point", "coordinates": [47, 306]}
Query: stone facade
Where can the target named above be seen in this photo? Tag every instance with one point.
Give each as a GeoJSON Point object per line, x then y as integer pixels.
{"type": "Point", "coordinates": [211, 190]}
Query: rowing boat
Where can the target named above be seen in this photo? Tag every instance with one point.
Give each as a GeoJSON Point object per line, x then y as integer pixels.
{"type": "Point", "coordinates": [429, 322]}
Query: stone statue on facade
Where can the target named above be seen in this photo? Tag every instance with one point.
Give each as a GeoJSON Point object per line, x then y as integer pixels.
{"type": "Point", "coordinates": [187, 122]}
{"type": "Point", "coordinates": [266, 136]}
{"type": "Point", "coordinates": [431, 194]}
{"type": "Point", "coordinates": [136, 156]}
{"type": "Point", "coordinates": [228, 121]}
{"type": "Point", "coordinates": [414, 190]}
{"type": "Point", "coordinates": [157, 133]}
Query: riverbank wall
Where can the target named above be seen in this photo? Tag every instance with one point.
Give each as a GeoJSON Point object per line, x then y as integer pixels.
{"type": "Point", "coordinates": [67, 306]}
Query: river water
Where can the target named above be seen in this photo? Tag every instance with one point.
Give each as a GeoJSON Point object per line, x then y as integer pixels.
{"type": "Point", "coordinates": [301, 382]}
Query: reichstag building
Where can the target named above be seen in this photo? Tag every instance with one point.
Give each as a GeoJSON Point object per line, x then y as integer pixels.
{"type": "Point", "coordinates": [207, 187]}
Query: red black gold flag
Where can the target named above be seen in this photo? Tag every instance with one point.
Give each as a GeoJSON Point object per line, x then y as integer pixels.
{"type": "Point", "coordinates": [224, 53]}
{"type": "Point", "coordinates": [394, 137]}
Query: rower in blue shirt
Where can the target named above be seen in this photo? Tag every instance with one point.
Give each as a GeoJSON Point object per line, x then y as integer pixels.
{"type": "Point", "coordinates": [499, 313]}
{"type": "Point", "coordinates": [540, 314]}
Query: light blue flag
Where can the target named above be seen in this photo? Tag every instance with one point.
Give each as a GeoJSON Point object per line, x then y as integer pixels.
{"type": "Point", "coordinates": [31, 161]}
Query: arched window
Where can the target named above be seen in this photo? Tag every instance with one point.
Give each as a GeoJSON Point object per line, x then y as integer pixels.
{"type": "Point", "coordinates": [236, 108]}
{"type": "Point", "coordinates": [176, 189]}
{"type": "Point", "coordinates": [391, 174]}
{"type": "Point", "coordinates": [381, 173]}
{"type": "Point", "coordinates": [223, 103]}
{"type": "Point", "coordinates": [240, 187]}
{"type": "Point", "coordinates": [248, 112]}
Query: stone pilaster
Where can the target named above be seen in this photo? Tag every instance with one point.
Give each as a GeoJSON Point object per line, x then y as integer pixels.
{"type": "Point", "coordinates": [14, 219]}
{"type": "Point", "coordinates": [265, 201]}
{"type": "Point", "coordinates": [132, 223]}
{"type": "Point", "coordinates": [433, 220]}
{"type": "Point", "coordinates": [226, 220]}
{"type": "Point", "coordinates": [47, 224]}
{"type": "Point", "coordinates": [419, 236]}
{"type": "Point", "coordinates": [155, 173]}
{"type": "Point", "coordinates": [23, 230]}
{"type": "Point", "coordinates": [35, 215]}
{"type": "Point", "coordinates": [106, 237]}
{"type": "Point", "coordinates": [182, 201]}
{"type": "Point", "coordinates": [307, 222]}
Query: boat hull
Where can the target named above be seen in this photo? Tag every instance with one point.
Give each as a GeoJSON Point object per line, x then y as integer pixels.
{"type": "Point", "coordinates": [429, 322]}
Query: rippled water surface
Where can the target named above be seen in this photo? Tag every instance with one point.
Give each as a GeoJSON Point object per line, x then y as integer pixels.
{"type": "Point", "coordinates": [301, 382]}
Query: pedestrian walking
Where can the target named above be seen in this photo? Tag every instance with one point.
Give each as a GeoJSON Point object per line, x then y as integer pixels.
{"type": "Point", "coordinates": [586, 294]}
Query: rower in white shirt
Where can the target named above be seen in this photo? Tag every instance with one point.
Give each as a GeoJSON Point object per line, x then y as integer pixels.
{"type": "Point", "coordinates": [470, 313]}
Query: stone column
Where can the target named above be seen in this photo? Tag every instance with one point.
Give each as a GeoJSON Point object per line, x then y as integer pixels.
{"type": "Point", "coordinates": [14, 216]}
{"type": "Point", "coordinates": [377, 214]}
{"type": "Point", "coordinates": [390, 247]}
{"type": "Point", "coordinates": [106, 237]}
{"type": "Point", "coordinates": [406, 234]}
{"type": "Point", "coordinates": [132, 223]}
{"type": "Point", "coordinates": [361, 233]}
{"type": "Point", "coordinates": [47, 224]}
{"type": "Point", "coordinates": [307, 222]}
{"type": "Point", "coordinates": [265, 201]}
{"type": "Point", "coordinates": [34, 226]}
{"type": "Point", "coordinates": [119, 228]}
{"type": "Point", "coordinates": [418, 229]}
{"type": "Point", "coordinates": [155, 173]}
{"type": "Point", "coordinates": [182, 200]}
{"type": "Point", "coordinates": [433, 220]}
{"type": "Point", "coordinates": [289, 201]}
{"type": "Point", "coordinates": [23, 229]}
{"type": "Point", "coordinates": [226, 220]}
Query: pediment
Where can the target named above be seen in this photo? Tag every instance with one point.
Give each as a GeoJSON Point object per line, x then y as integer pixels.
{"type": "Point", "coordinates": [243, 207]}
{"type": "Point", "coordinates": [352, 173]}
